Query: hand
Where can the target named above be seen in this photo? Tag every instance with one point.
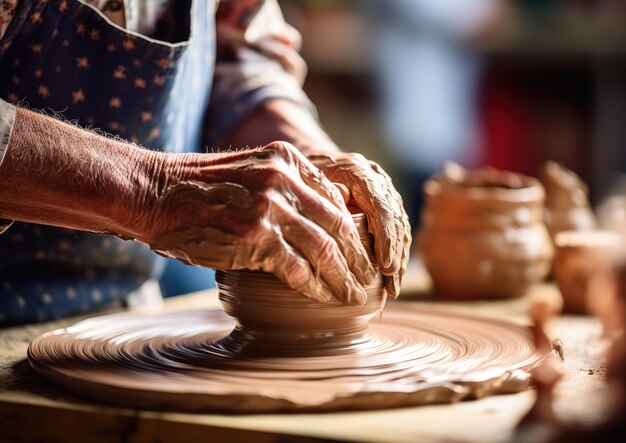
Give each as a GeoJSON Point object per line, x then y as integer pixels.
{"type": "Point", "coordinates": [373, 192]}
{"type": "Point", "coordinates": [263, 209]}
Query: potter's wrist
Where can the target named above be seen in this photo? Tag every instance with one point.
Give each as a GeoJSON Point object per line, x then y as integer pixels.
{"type": "Point", "coordinates": [163, 171]}
{"type": "Point", "coordinates": [131, 209]}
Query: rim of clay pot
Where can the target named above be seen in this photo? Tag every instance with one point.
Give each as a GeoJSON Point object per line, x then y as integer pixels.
{"type": "Point", "coordinates": [599, 239]}
{"type": "Point", "coordinates": [487, 184]}
{"type": "Point", "coordinates": [555, 174]}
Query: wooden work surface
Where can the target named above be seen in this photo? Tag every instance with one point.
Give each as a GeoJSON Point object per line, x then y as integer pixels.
{"type": "Point", "coordinates": [31, 409]}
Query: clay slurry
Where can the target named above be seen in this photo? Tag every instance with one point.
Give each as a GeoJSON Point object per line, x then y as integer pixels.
{"type": "Point", "coordinates": [286, 352]}
{"type": "Point", "coordinates": [414, 356]}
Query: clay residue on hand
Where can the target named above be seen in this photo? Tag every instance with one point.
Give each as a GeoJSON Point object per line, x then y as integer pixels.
{"type": "Point", "coordinates": [372, 190]}
{"type": "Point", "coordinates": [267, 209]}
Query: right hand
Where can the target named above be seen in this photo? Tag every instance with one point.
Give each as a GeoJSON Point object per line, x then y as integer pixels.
{"type": "Point", "coordinates": [265, 209]}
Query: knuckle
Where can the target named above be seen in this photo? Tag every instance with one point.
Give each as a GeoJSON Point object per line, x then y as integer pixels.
{"type": "Point", "coordinates": [357, 157]}
{"type": "Point", "coordinates": [256, 234]}
{"type": "Point", "coordinates": [376, 167]}
{"type": "Point", "coordinates": [282, 150]}
{"type": "Point", "coordinates": [274, 176]}
{"type": "Point", "coordinates": [272, 151]}
{"type": "Point", "coordinates": [261, 203]}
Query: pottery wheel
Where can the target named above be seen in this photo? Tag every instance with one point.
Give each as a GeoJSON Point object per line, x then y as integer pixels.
{"type": "Point", "coordinates": [413, 356]}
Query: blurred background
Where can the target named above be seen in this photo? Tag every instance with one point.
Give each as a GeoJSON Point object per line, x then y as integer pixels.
{"type": "Point", "coordinates": [413, 83]}
{"type": "Point", "coordinates": [510, 84]}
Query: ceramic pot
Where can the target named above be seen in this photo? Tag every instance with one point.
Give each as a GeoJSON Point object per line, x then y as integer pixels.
{"type": "Point", "coordinates": [567, 204]}
{"type": "Point", "coordinates": [273, 319]}
{"type": "Point", "coordinates": [581, 257]}
{"type": "Point", "coordinates": [482, 234]}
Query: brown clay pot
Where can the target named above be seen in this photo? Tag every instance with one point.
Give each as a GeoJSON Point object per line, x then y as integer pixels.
{"type": "Point", "coordinates": [581, 257]}
{"type": "Point", "coordinates": [482, 234]}
{"type": "Point", "coordinates": [567, 204]}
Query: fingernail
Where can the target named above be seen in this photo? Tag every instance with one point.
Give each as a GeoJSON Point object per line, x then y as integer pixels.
{"type": "Point", "coordinates": [385, 261]}
{"type": "Point", "coordinates": [358, 297]}
{"type": "Point", "coordinates": [344, 191]}
{"type": "Point", "coordinates": [387, 253]}
{"type": "Point", "coordinates": [392, 268]}
{"type": "Point", "coordinates": [352, 292]}
{"type": "Point", "coordinates": [392, 286]}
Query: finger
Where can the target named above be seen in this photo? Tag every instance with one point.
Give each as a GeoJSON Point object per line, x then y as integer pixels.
{"type": "Point", "coordinates": [277, 153]}
{"type": "Point", "coordinates": [334, 218]}
{"type": "Point", "coordinates": [282, 159]}
{"type": "Point", "coordinates": [404, 232]}
{"type": "Point", "coordinates": [317, 180]}
{"type": "Point", "coordinates": [339, 226]}
{"type": "Point", "coordinates": [292, 62]}
{"type": "Point", "coordinates": [392, 285]}
{"type": "Point", "coordinates": [370, 194]}
{"type": "Point", "coordinates": [321, 250]}
{"type": "Point", "coordinates": [296, 272]}
{"type": "Point", "coordinates": [406, 239]}
{"type": "Point", "coordinates": [290, 36]}
{"type": "Point", "coordinates": [284, 54]}
{"type": "Point", "coordinates": [345, 192]}
{"type": "Point", "coordinates": [394, 198]}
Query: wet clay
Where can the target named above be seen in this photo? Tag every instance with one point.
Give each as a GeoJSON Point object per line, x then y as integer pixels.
{"type": "Point", "coordinates": [282, 351]}
{"type": "Point", "coordinates": [482, 233]}
{"type": "Point", "coordinates": [181, 361]}
{"type": "Point", "coordinates": [567, 205]}
{"type": "Point", "coordinates": [266, 209]}
{"type": "Point", "coordinates": [372, 189]}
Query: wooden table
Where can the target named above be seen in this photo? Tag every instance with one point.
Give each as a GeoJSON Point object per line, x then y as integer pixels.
{"type": "Point", "coordinates": [32, 409]}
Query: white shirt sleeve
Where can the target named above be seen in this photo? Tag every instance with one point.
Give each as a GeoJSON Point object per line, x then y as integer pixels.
{"type": "Point", "coordinates": [7, 116]}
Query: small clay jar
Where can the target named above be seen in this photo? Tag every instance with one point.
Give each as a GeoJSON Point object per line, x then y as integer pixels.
{"type": "Point", "coordinates": [580, 257]}
{"type": "Point", "coordinates": [567, 204]}
{"type": "Point", "coordinates": [274, 320]}
{"type": "Point", "coordinates": [482, 234]}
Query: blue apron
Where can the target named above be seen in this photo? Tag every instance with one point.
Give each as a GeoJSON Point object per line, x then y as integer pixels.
{"type": "Point", "coordinates": [65, 56]}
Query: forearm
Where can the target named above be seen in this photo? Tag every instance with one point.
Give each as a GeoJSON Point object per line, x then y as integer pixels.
{"type": "Point", "coordinates": [58, 174]}
{"type": "Point", "coordinates": [281, 120]}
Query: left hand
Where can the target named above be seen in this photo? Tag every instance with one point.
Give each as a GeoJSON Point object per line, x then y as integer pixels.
{"type": "Point", "coordinates": [373, 192]}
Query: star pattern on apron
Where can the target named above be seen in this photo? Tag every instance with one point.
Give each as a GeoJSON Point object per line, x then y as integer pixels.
{"type": "Point", "coordinates": [67, 57]}
{"type": "Point", "coordinates": [163, 92]}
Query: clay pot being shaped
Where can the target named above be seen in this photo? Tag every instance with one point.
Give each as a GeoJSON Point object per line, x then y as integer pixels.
{"type": "Point", "coordinates": [567, 204]}
{"type": "Point", "coordinates": [482, 233]}
{"type": "Point", "coordinates": [274, 320]}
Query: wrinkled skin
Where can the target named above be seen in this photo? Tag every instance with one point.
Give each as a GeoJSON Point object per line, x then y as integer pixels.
{"type": "Point", "coordinates": [265, 209]}
{"type": "Point", "coordinates": [372, 190]}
